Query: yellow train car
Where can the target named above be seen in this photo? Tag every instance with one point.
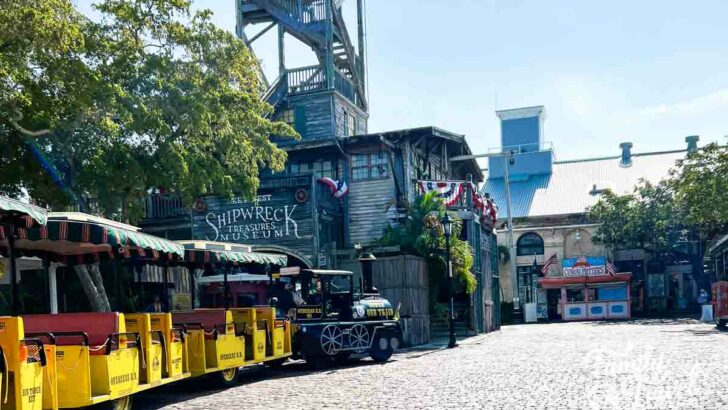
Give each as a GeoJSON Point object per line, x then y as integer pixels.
{"type": "Point", "coordinates": [24, 364]}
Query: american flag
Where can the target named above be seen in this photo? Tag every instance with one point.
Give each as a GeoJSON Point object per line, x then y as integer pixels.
{"type": "Point", "coordinates": [549, 263]}
{"type": "Point", "coordinates": [610, 269]}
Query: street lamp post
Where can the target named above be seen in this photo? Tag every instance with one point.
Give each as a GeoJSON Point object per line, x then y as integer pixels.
{"type": "Point", "coordinates": [447, 228]}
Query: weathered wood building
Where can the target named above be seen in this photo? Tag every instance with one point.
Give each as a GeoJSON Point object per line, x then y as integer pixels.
{"type": "Point", "coordinates": [294, 212]}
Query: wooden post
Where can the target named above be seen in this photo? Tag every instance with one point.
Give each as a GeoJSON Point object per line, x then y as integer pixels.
{"type": "Point", "coordinates": [53, 287]}
{"type": "Point", "coordinates": [281, 51]}
{"type": "Point", "coordinates": [15, 308]}
{"type": "Point", "coordinates": [362, 49]}
{"type": "Point", "coordinates": [329, 52]}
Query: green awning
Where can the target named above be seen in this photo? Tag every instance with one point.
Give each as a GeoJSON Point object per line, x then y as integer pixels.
{"type": "Point", "coordinates": [253, 257]}
{"type": "Point", "coordinates": [206, 252]}
{"type": "Point", "coordinates": [11, 207]}
{"type": "Point", "coordinates": [132, 239]}
{"type": "Point", "coordinates": [75, 237]}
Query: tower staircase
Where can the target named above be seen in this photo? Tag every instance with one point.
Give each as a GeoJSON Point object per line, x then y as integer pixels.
{"type": "Point", "coordinates": [320, 25]}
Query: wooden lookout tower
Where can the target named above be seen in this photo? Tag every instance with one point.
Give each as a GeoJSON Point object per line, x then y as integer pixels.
{"type": "Point", "coordinates": [321, 101]}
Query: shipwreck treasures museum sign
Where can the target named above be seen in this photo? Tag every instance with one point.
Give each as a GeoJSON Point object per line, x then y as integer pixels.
{"type": "Point", "coordinates": [281, 214]}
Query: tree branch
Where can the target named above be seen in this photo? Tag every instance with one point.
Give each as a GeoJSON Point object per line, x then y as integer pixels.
{"type": "Point", "coordinates": [15, 122]}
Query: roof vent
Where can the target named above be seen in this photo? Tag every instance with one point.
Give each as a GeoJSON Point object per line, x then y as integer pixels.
{"type": "Point", "coordinates": [600, 187]}
{"type": "Point", "coordinates": [692, 141]}
{"type": "Point", "coordinates": [626, 154]}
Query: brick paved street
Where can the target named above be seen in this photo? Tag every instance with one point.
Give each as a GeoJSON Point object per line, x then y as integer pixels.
{"type": "Point", "coordinates": [637, 364]}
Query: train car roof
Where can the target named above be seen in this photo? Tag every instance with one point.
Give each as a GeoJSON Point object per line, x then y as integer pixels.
{"type": "Point", "coordinates": [321, 272]}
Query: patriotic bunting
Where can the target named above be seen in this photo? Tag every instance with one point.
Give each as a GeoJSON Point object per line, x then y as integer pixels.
{"type": "Point", "coordinates": [449, 191]}
{"type": "Point", "coordinates": [338, 188]}
{"type": "Point", "coordinates": [452, 191]}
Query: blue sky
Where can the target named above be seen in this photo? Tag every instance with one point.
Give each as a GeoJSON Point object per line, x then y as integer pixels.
{"type": "Point", "coordinates": [650, 72]}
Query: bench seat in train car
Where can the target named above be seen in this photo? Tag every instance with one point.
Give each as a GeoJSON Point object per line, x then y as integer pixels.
{"type": "Point", "coordinates": [255, 332]}
{"type": "Point", "coordinates": [95, 360]}
{"type": "Point", "coordinates": [163, 347]}
{"type": "Point", "coordinates": [212, 342]}
{"type": "Point", "coordinates": [279, 345]}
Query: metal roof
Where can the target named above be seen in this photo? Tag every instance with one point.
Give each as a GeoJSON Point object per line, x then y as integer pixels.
{"type": "Point", "coordinates": [570, 188]}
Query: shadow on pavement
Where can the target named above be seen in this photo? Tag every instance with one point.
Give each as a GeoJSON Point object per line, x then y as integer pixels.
{"type": "Point", "coordinates": [204, 386]}
{"type": "Point", "coordinates": [650, 321]}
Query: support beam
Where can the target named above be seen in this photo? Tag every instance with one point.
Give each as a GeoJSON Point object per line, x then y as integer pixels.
{"type": "Point", "coordinates": [361, 29]}
{"type": "Point", "coordinates": [281, 51]}
{"type": "Point", "coordinates": [53, 287]}
{"type": "Point", "coordinates": [260, 34]}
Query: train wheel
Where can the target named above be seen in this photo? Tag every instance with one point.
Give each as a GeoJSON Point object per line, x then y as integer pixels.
{"type": "Point", "coordinates": [332, 339]}
{"type": "Point", "coordinates": [381, 350]}
{"type": "Point", "coordinates": [122, 403]}
{"type": "Point", "coordinates": [720, 323]}
{"type": "Point", "coordinates": [228, 377]}
{"type": "Point", "coordinates": [359, 338]}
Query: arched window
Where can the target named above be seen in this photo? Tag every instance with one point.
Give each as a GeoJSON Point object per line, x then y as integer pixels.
{"type": "Point", "coordinates": [529, 244]}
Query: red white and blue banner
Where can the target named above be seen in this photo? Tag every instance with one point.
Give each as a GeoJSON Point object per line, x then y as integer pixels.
{"type": "Point", "coordinates": [338, 188]}
{"type": "Point", "coordinates": [452, 191]}
{"type": "Point", "coordinates": [488, 208]}
{"type": "Point", "coordinates": [449, 191]}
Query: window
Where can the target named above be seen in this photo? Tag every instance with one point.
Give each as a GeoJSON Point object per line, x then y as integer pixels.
{"type": "Point", "coordinates": [318, 168]}
{"type": "Point", "coordinates": [527, 283]}
{"type": "Point", "coordinates": [323, 169]}
{"type": "Point", "coordinates": [288, 117]}
{"type": "Point", "coordinates": [529, 244]}
{"type": "Point", "coordinates": [350, 125]}
{"type": "Point", "coordinates": [575, 295]}
{"type": "Point", "coordinates": [369, 166]}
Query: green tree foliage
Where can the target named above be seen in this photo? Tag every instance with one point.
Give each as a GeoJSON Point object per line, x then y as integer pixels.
{"type": "Point", "coordinates": [150, 95]}
{"type": "Point", "coordinates": [701, 184]}
{"type": "Point", "coordinates": [422, 235]}
{"type": "Point", "coordinates": [674, 219]}
{"type": "Point", "coordinates": [650, 217]}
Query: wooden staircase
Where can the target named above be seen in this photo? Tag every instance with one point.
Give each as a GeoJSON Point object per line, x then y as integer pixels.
{"type": "Point", "coordinates": [309, 22]}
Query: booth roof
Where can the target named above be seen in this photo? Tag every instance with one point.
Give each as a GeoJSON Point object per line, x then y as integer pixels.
{"type": "Point", "coordinates": [9, 206]}
{"type": "Point", "coordinates": [561, 281]}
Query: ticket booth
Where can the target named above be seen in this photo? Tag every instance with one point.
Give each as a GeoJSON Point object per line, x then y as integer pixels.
{"type": "Point", "coordinates": [592, 297]}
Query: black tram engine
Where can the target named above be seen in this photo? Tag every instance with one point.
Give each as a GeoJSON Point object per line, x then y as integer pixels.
{"type": "Point", "coordinates": [334, 322]}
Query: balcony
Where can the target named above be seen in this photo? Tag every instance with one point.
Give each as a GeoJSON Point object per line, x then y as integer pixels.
{"type": "Point", "coordinates": [311, 79]}
{"type": "Point", "coordinates": [164, 206]}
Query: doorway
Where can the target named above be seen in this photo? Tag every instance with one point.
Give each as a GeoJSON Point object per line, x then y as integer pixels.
{"type": "Point", "coordinates": [552, 303]}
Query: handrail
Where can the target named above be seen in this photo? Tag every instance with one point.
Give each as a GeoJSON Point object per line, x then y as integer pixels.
{"type": "Point", "coordinates": [117, 336]}
{"type": "Point", "coordinates": [39, 345]}
{"type": "Point", "coordinates": [182, 332]}
{"type": "Point", "coordinates": [53, 336]}
{"type": "Point", "coordinates": [304, 11]}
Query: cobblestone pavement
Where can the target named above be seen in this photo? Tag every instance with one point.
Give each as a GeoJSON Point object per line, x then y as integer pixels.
{"type": "Point", "coordinates": [607, 365]}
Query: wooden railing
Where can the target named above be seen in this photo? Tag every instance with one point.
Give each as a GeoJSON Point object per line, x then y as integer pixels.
{"type": "Point", "coordinates": [310, 79]}
{"type": "Point", "coordinates": [305, 11]}
{"type": "Point", "coordinates": [345, 87]}
{"type": "Point", "coordinates": [160, 206]}
{"type": "Point", "coordinates": [306, 79]}
{"type": "Point", "coordinates": [312, 11]}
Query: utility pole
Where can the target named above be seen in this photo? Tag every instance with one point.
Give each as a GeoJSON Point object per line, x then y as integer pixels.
{"type": "Point", "coordinates": [507, 160]}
